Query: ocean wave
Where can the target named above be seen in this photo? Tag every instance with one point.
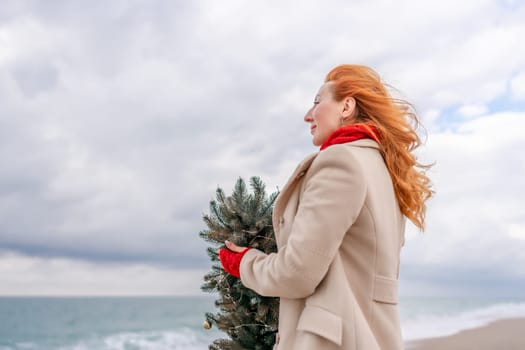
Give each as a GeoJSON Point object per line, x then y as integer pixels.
{"type": "Point", "coordinates": [181, 339]}
{"type": "Point", "coordinates": [432, 325]}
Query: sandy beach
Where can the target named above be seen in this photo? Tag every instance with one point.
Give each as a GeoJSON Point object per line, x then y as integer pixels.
{"type": "Point", "coordinates": [507, 334]}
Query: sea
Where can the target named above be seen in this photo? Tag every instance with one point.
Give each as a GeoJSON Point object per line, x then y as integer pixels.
{"type": "Point", "coordinates": [176, 323]}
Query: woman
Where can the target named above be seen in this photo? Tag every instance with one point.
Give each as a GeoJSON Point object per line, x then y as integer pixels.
{"type": "Point", "coordinates": [339, 222]}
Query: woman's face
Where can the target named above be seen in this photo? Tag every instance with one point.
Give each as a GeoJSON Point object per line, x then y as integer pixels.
{"type": "Point", "coordinates": [325, 115]}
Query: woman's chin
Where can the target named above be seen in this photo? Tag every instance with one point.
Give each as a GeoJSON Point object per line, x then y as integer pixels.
{"type": "Point", "coordinates": [316, 142]}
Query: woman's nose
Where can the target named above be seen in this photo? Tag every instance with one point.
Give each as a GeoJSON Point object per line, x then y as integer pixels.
{"type": "Point", "coordinates": [308, 116]}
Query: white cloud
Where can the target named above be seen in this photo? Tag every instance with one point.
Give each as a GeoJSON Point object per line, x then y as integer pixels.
{"type": "Point", "coordinates": [516, 231]}
{"type": "Point", "coordinates": [478, 181]}
{"type": "Point", "coordinates": [473, 110]}
{"type": "Point", "coordinates": [119, 121]}
{"type": "Point", "coordinates": [518, 86]}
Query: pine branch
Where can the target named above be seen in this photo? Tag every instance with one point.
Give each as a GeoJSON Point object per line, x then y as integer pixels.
{"type": "Point", "coordinates": [250, 320]}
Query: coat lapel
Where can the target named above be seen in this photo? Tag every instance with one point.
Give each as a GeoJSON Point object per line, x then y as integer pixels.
{"type": "Point", "coordinates": [284, 194]}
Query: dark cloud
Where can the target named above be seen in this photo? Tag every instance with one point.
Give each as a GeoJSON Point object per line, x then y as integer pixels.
{"type": "Point", "coordinates": [35, 77]}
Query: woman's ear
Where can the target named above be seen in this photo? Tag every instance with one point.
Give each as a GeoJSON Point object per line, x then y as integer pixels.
{"type": "Point", "coordinates": [348, 107]}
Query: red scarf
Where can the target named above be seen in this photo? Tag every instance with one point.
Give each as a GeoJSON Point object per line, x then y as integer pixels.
{"type": "Point", "coordinates": [350, 133]}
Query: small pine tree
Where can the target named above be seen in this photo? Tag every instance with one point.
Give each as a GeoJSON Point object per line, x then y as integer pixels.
{"type": "Point", "coordinates": [249, 319]}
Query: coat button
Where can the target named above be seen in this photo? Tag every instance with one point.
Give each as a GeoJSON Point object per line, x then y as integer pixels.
{"type": "Point", "coordinates": [281, 220]}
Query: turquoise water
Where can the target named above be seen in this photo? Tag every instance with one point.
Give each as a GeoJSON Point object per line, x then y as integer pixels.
{"type": "Point", "coordinates": [105, 323]}
{"type": "Point", "coordinates": [175, 323]}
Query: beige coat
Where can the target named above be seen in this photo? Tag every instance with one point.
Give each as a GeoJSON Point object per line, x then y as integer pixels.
{"type": "Point", "coordinates": [339, 233]}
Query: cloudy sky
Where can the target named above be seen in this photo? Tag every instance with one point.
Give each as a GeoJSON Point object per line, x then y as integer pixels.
{"type": "Point", "coordinates": [119, 119]}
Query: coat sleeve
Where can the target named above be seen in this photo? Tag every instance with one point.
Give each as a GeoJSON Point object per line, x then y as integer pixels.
{"type": "Point", "coordinates": [334, 193]}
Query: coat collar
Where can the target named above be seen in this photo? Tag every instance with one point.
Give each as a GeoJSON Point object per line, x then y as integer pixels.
{"type": "Point", "coordinates": [303, 167]}
{"type": "Point", "coordinates": [364, 143]}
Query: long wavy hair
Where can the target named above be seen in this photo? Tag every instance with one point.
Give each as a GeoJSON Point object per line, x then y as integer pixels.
{"type": "Point", "coordinates": [396, 121]}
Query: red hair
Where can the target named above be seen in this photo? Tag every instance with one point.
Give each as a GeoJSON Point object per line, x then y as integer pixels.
{"type": "Point", "coordinates": [396, 122]}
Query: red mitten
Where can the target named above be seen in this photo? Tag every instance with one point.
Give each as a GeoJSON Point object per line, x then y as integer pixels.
{"type": "Point", "coordinates": [231, 261]}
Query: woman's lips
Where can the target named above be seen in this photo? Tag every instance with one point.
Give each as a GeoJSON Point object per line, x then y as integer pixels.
{"type": "Point", "coordinates": [312, 129]}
